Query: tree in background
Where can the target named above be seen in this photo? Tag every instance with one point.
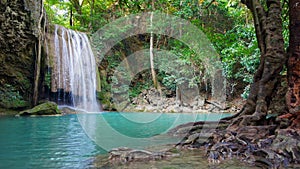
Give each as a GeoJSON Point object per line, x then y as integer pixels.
{"type": "Point", "coordinates": [226, 23]}
{"type": "Point", "coordinates": [246, 44]}
{"type": "Point", "coordinates": [268, 27]}
{"type": "Point", "coordinates": [269, 32]}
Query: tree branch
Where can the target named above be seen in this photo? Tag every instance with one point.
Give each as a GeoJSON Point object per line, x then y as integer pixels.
{"type": "Point", "coordinates": [207, 6]}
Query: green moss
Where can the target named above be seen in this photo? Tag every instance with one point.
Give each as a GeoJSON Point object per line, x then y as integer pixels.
{"type": "Point", "coordinates": [106, 101]}
{"type": "Point", "coordinates": [104, 98]}
{"type": "Point", "coordinates": [47, 108]}
{"type": "Point", "coordinates": [24, 82]}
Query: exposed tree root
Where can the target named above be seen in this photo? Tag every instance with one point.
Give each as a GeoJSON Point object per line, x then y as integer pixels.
{"type": "Point", "coordinates": [266, 146]}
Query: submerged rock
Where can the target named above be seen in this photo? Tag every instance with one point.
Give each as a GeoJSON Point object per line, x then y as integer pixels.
{"type": "Point", "coordinates": [185, 159]}
{"type": "Point", "coordinates": [125, 155]}
{"type": "Point", "coordinates": [47, 108]}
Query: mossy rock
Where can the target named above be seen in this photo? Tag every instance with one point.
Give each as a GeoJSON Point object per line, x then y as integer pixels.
{"type": "Point", "coordinates": [47, 108]}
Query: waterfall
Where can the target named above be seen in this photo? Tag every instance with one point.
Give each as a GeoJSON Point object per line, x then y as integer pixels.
{"type": "Point", "coordinates": [74, 70]}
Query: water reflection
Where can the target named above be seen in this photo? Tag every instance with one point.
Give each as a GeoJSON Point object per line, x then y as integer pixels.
{"type": "Point", "coordinates": [111, 130]}
{"type": "Point", "coordinates": [71, 141]}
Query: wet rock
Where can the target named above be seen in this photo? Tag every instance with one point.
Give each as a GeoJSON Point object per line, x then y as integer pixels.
{"type": "Point", "coordinates": [287, 143]}
{"type": "Point", "coordinates": [48, 108]}
{"type": "Point", "coordinates": [256, 145]}
{"type": "Point", "coordinates": [255, 132]}
{"type": "Point", "coordinates": [125, 155]}
{"type": "Point", "coordinates": [68, 110]}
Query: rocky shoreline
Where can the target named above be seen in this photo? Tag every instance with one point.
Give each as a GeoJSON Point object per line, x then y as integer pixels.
{"type": "Point", "coordinates": [214, 148]}
{"type": "Point", "coordinates": [174, 158]}
{"type": "Point", "coordinates": [151, 101]}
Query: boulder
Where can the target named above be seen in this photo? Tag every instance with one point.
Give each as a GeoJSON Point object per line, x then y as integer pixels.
{"type": "Point", "coordinates": [47, 108]}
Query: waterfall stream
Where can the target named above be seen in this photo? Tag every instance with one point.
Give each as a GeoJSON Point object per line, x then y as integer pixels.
{"type": "Point", "coordinates": [74, 70]}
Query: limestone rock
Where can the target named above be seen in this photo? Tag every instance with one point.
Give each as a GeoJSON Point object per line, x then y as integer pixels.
{"type": "Point", "coordinates": [18, 37]}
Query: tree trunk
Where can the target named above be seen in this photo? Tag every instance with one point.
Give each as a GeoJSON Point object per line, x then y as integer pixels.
{"type": "Point", "coordinates": [273, 144]}
{"type": "Point", "coordinates": [153, 73]}
{"type": "Point", "coordinates": [71, 16]}
{"type": "Point", "coordinates": [78, 8]}
{"type": "Point", "coordinates": [268, 26]}
{"type": "Point", "coordinates": [92, 7]}
{"type": "Point", "coordinates": [293, 64]}
{"type": "Point", "coordinates": [38, 57]}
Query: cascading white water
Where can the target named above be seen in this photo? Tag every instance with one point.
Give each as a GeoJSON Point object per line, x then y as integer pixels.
{"type": "Point", "coordinates": [74, 70]}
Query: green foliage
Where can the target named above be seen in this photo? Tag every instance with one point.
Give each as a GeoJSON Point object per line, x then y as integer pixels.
{"type": "Point", "coordinates": [11, 98]}
{"type": "Point", "coordinates": [47, 79]}
{"type": "Point", "coordinates": [138, 88]}
{"type": "Point", "coordinates": [240, 53]}
{"type": "Point", "coordinates": [236, 42]}
{"type": "Point", "coordinates": [183, 69]}
{"type": "Point", "coordinates": [285, 22]}
{"type": "Point", "coordinates": [228, 25]}
{"type": "Point", "coordinates": [57, 11]}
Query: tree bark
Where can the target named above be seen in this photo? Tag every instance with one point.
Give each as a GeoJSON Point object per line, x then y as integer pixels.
{"type": "Point", "coordinates": [268, 26]}
{"type": "Point", "coordinates": [274, 144]}
{"type": "Point", "coordinates": [38, 57]}
{"type": "Point", "coordinates": [71, 16]}
{"type": "Point", "coordinates": [293, 64]}
{"type": "Point", "coordinates": [92, 7]}
{"type": "Point", "coordinates": [78, 7]}
{"type": "Point", "coordinates": [153, 73]}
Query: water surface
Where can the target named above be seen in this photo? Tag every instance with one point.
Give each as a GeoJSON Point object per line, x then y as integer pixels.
{"type": "Point", "coordinates": [72, 141]}
{"type": "Point", "coordinates": [44, 142]}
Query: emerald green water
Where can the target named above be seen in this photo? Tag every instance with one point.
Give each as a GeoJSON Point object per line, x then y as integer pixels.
{"type": "Point", "coordinates": [72, 141]}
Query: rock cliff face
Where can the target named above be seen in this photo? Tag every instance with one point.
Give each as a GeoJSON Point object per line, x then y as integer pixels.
{"type": "Point", "coordinates": [18, 40]}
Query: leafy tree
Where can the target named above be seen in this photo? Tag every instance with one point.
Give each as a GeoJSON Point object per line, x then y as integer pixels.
{"type": "Point", "coordinates": [227, 24]}
{"type": "Point", "coordinates": [268, 27]}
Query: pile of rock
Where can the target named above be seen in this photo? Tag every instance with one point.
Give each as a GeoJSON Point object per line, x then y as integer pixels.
{"type": "Point", "coordinates": [152, 100]}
